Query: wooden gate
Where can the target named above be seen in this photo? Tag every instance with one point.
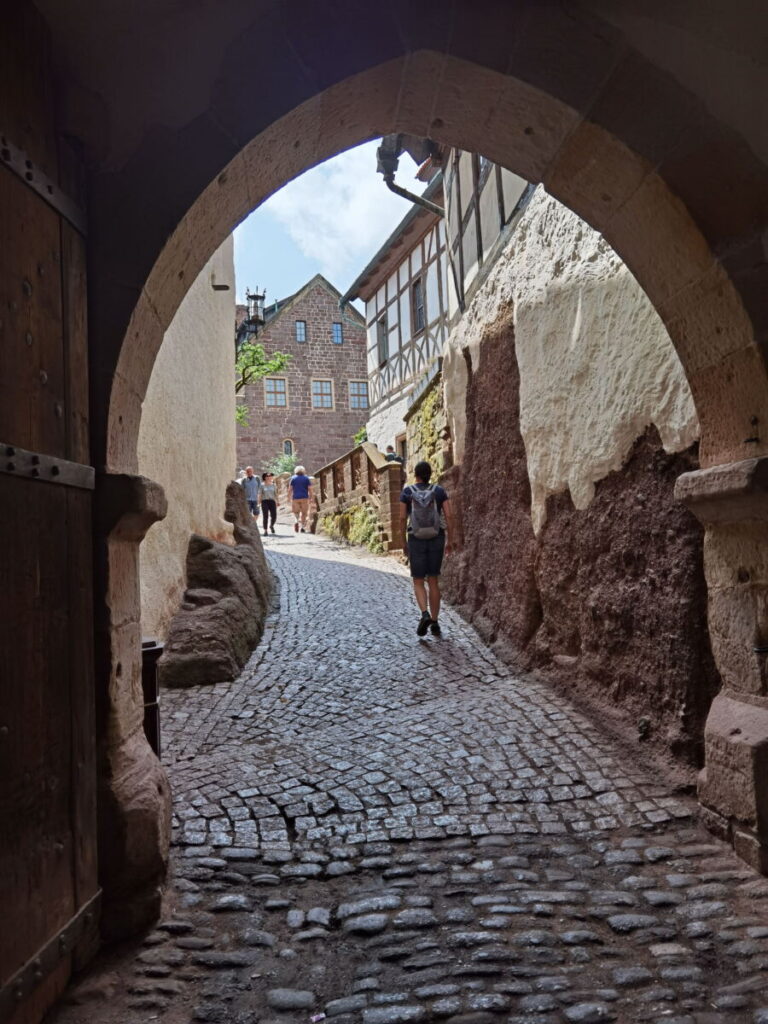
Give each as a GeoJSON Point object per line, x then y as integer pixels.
{"type": "Point", "coordinates": [48, 887]}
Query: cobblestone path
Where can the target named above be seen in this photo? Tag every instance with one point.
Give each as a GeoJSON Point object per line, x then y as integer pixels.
{"type": "Point", "coordinates": [388, 831]}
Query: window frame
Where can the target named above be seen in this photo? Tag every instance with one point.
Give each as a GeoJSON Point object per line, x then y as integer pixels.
{"type": "Point", "coordinates": [417, 282]}
{"type": "Point", "coordinates": [401, 446]}
{"type": "Point", "coordinates": [289, 441]}
{"type": "Point", "coordinates": [322, 408]}
{"type": "Point", "coordinates": [382, 338]}
{"type": "Point", "coordinates": [367, 395]}
{"type": "Point", "coordinates": [340, 325]}
{"type": "Point", "coordinates": [275, 405]}
{"type": "Point", "coordinates": [300, 341]}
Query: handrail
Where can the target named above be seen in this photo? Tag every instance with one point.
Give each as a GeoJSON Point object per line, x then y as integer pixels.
{"type": "Point", "coordinates": [378, 458]}
{"type": "Point", "coordinates": [364, 475]}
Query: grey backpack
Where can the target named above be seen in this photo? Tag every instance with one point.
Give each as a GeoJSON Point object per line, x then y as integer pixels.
{"type": "Point", "coordinates": [425, 515]}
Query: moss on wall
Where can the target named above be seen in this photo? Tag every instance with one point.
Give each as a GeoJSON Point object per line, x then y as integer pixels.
{"type": "Point", "coordinates": [426, 431]}
{"type": "Point", "coordinates": [357, 525]}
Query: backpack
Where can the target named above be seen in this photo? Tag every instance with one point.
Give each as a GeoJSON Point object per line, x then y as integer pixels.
{"type": "Point", "coordinates": [425, 515]}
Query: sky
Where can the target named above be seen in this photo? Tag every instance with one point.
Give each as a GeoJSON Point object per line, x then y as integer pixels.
{"type": "Point", "coordinates": [331, 220]}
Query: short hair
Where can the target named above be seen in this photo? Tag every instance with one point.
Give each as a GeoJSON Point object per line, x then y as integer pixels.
{"type": "Point", "coordinates": [422, 471]}
{"type": "Point", "coordinates": [265, 475]}
{"type": "Point", "coordinates": [390, 448]}
{"type": "Point", "coordinates": [300, 470]}
{"type": "Point", "coordinates": [248, 467]}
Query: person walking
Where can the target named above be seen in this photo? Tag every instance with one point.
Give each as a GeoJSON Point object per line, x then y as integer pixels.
{"type": "Point", "coordinates": [427, 522]}
{"type": "Point", "coordinates": [268, 500]}
{"type": "Point", "coordinates": [252, 486]}
{"type": "Point", "coordinates": [300, 495]}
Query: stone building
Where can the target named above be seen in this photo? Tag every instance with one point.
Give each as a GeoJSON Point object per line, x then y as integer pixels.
{"type": "Point", "coordinates": [312, 409]}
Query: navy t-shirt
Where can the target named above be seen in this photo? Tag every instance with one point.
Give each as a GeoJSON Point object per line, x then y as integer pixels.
{"type": "Point", "coordinates": [300, 485]}
{"type": "Point", "coordinates": [441, 497]}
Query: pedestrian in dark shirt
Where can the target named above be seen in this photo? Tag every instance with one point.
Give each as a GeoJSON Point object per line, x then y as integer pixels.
{"type": "Point", "coordinates": [268, 500]}
{"type": "Point", "coordinates": [428, 525]}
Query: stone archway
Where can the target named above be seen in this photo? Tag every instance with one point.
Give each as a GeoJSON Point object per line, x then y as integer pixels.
{"type": "Point", "coordinates": [616, 187]}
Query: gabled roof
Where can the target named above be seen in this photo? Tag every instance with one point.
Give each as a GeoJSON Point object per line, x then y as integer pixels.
{"type": "Point", "coordinates": [411, 228]}
{"type": "Point", "coordinates": [276, 310]}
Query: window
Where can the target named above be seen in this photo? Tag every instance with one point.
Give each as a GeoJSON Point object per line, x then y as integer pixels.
{"type": "Point", "coordinates": [322, 394]}
{"type": "Point", "coordinates": [337, 333]}
{"type": "Point", "coordinates": [417, 305]}
{"type": "Point", "coordinates": [381, 339]}
{"type": "Point", "coordinates": [401, 447]}
{"type": "Point", "coordinates": [301, 330]}
{"type": "Point", "coordinates": [358, 394]}
{"type": "Point", "coordinates": [287, 447]}
{"type": "Point", "coordinates": [275, 391]}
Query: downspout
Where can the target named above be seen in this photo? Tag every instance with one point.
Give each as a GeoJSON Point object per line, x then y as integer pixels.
{"type": "Point", "coordinates": [389, 181]}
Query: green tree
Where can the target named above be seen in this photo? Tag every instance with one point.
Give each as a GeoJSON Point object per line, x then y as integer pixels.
{"type": "Point", "coordinates": [360, 436]}
{"type": "Point", "coordinates": [251, 364]}
{"type": "Point", "coordinates": [281, 463]}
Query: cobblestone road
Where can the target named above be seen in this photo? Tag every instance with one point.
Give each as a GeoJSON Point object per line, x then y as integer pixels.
{"type": "Point", "coordinates": [388, 830]}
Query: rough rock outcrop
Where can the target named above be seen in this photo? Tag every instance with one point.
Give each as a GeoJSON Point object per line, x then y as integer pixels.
{"type": "Point", "coordinates": [608, 601]}
{"type": "Point", "coordinates": [221, 618]}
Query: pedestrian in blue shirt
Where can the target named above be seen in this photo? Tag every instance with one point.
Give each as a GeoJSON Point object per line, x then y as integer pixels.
{"type": "Point", "coordinates": [300, 495]}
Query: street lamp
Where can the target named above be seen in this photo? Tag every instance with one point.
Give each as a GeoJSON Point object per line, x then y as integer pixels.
{"type": "Point", "coordinates": [255, 304]}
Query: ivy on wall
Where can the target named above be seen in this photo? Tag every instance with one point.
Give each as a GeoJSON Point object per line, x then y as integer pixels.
{"type": "Point", "coordinates": [357, 525]}
{"type": "Point", "coordinates": [425, 428]}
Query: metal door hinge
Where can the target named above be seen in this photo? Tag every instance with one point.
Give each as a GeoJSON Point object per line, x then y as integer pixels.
{"type": "Point", "coordinates": [16, 160]}
{"type": "Point", "coordinates": [45, 468]}
{"type": "Point", "coordinates": [82, 927]}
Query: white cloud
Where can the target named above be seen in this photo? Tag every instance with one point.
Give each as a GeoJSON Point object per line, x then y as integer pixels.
{"type": "Point", "coordinates": [339, 214]}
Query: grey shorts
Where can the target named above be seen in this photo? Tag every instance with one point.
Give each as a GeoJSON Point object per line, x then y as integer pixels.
{"type": "Point", "coordinates": [426, 556]}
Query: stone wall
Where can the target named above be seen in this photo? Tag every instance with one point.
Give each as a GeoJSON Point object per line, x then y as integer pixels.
{"type": "Point", "coordinates": [427, 433]}
{"type": "Point", "coordinates": [187, 436]}
{"type": "Point", "coordinates": [573, 420]}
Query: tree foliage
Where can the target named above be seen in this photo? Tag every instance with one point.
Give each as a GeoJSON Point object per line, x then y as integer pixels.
{"type": "Point", "coordinates": [281, 463]}
{"type": "Point", "coordinates": [251, 364]}
{"type": "Point", "coordinates": [360, 436]}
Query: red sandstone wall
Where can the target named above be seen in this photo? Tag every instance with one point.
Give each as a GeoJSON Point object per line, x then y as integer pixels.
{"type": "Point", "coordinates": [319, 435]}
{"type": "Point", "coordinates": [609, 601]}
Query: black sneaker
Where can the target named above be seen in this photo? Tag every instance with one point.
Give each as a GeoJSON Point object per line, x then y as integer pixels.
{"type": "Point", "coordinates": [423, 626]}
{"type": "Point", "coordinates": [434, 628]}
{"type": "Point", "coordinates": [265, 533]}
{"type": "Point", "coordinates": [273, 529]}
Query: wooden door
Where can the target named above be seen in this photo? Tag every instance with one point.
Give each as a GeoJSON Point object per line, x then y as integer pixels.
{"type": "Point", "coordinates": [48, 887]}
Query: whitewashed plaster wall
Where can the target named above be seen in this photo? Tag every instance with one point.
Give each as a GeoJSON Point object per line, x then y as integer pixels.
{"type": "Point", "coordinates": [386, 424]}
{"type": "Point", "coordinates": [597, 366]}
{"type": "Point", "coordinates": [187, 436]}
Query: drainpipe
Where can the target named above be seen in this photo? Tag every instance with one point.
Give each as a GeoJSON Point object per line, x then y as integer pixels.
{"type": "Point", "coordinates": [387, 159]}
{"type": "Point", "coordinates": [389, 181]}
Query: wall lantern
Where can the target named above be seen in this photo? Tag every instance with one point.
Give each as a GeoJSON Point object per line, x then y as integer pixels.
{"type": "Point", "coordinates": [255, 303]}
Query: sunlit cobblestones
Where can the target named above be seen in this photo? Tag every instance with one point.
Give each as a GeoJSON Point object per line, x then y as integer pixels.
{"type": "Point", "coordinates": [392, 831]}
